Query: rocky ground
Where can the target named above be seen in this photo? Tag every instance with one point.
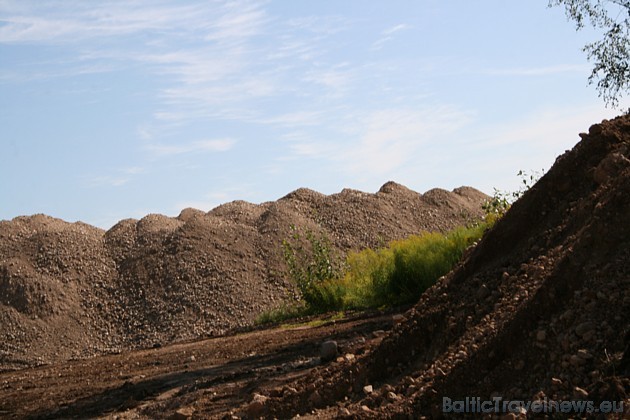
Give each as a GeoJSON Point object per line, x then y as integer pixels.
{"type": "Point", "coordinates": [208, 378]}
{"type": "Point", "coordinates": [70, 290]}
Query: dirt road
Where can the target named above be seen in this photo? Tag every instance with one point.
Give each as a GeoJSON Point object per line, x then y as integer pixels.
{"type": "Point", "coordinates": [209, 378]}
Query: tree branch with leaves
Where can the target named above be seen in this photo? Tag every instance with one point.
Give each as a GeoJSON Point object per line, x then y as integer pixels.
{"type": "Point", "coordinates": [610, 55]}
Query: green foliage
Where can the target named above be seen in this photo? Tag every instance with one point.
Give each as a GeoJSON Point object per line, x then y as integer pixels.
{"type": "Point", "coordinates": [288, 312]}
{"type": "Point", "coordinates": [501, 201]}
{"type": "Point", "coordinates": [313, 267]}
{"type": "Point", "coordinates": [393, 275]}
{"type": "Point", "coordinates": [611, 53]}
{"type": "Point", "coordinates": [281, 313]}
{"type": "Point", "coordinates": [401, 272]}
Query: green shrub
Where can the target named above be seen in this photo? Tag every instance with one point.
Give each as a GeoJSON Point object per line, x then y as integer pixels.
{"type": "Point", "coordinates": [390, 276]}
{"type": "Point", "coordinates": [501, 201]}
{"type": "Point", "coordinates": [281, 313]}
{"type": "Point", "coordinates": [393, 275]}
{"type": "Point", "coordinates": [314, 268]}
{"type": "Point", "coordinates": [400, 273]}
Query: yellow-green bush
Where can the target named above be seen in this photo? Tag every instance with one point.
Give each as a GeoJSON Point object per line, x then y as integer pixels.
{"type": "Point", "coordinates": [390, 276]}
{"type": "Point", "coordinates": [400, 273]}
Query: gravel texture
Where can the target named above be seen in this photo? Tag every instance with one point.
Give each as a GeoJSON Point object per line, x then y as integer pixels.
{"type": "Point", "coordinates": [70, 290]}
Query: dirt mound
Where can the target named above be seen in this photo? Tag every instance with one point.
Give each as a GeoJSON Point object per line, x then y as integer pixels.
{"type": "Point", "coordinates": [69, 290]}
{"type": "Point", "coordinates": [537, 311]}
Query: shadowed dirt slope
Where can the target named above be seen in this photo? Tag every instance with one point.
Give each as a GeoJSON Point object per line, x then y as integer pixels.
{"type": "Point", "coordinates": [70, 290]}
{"type": "Point", "coordinates": [539, 309]}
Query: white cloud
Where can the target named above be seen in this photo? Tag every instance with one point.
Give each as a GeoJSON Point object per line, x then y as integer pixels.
{"type": "Point", "coordinates": [396, 28]}
{"type": "Point", "coordinates": [293, 119]}
{"type": "Point", "coordinates": [202, 48]}
{"type": "Point", "coordinates": [388, 35]}
{"type": "Point", "coordinates": [107, 181]}
{"type": "Point", "coordinates": [539, 71]}
{"type": "Point", "coordinates": [529, 143]}
{"type": "Point", "coordinates": [544, 128]}
{"type": "Point", "coordinates": [120, 177]}
{"type": "Point", "coordinates": [322, 25]}
{"type": "Point", "coordinates": [133, 170]}
{"type": "Point", "coordinates": [312, 149]}
{"type": "Point", "coordinates": [330, 79]}
{"type": "Point", "coordinates": [217, 145]}
{"type": "Point", "coordinates": [391, 138]}
{"type": "Point", "coordinates": [242, 20]}
{"type": "Point", "coordinates": [209, 202]}
{"type": "Point", "coordinates": [212, 199]}
{"type": "Point", "coordinates": [37, 22]}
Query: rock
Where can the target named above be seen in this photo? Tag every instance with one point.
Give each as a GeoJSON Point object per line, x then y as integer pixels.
{"type": "Point", "coordinates": [411, 390]}
{"type": "Point", "coordinates": [610, 167]}
{"type": "Point", "coordinates": [387, 388]}
{"type": "Point", "coordinates": [541, 335]}
{"type": "Point", "coordinates": [391, 396]}
{"type": "Point", "coordinates": [483, 292]}
{"type": "Point", "coordinates": [256, 407]}
{"type": "Point", "coordinates": [289, 391]}
{"type": "Point", "coordinates": [378, 333]}
{"type": "Point", "coordinates": [315, 399]}
{"type": "Point", "coordinates": [584, 328]}
{"type": "Point", "coordinates": [183, 414]}
{"type": "Point", "coordinates": [398, 319]}
{"type": "Point", "coordinates": [328, 350]}
{"type": "Point", "coordinates": [368, 389]}
{"type": "Point", "coordinates": [584, 354]}
{"type": "Point", "coordinates": [576, 361]}
{"type": "Point", "coordinates": [579, 393]}
{"type": "Point", "coordinates": [408, 380]}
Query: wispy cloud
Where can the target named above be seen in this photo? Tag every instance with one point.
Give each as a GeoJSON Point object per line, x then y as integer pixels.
{"type": "Point", "coordinates": [206, 203]}
{"type": "Point", "coordinates": [118, 178]}
{"type": "Point", "coordinates": [218, 145]}
{"type": "Point", "coordinates": [107, 181]}
{"type": "Point", "coordinates": [372, 144]}
{"type": "Point", "coordinates": [293, 119]}
{"type": "Point", "coordinates": [388, 35]}
{"type": "Point", "coordinates": [200, 51]}
{"type": "Point", "coordinates": [133, 170]}
{"type": "Point", "coordinates": [530, 142]}
{"type": "Point", "coordinates": [543, 129]}
{"type": "Point", "coordinates": [538, 71]}
{"type": "Point", "coordinates": [37, 22]}
{"type": "Point", "coordinates": [212, 199]}
{"type": "Point", "coordinates": [312, 149]}
{"type": "Point", "coordinates": [322, 25]}
{"type": "Point", "coordinates": [335, 80]}
{"type": "Point", "coordinates": [391, 138]}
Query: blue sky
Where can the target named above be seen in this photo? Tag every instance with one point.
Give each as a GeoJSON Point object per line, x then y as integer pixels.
{"type": "Point", "coordinates": [117, 109]}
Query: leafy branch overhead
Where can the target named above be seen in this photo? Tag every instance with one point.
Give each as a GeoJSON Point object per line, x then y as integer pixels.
{"type": "Point", "coordinates": [610, 54]}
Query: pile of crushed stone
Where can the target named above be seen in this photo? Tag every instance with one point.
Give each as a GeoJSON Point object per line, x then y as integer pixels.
{"type": "Point", "coordinates": [70, 290]}
{"type": "Point", "coordinates": [538, 311]}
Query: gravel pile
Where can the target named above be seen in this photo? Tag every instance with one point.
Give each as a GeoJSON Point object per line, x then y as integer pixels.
{"type": "Point", "coordinates": [70, 290]}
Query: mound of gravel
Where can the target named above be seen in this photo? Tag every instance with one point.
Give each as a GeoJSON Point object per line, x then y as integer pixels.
{"type": "Point", "coordinates": [69, 290]}
{"type": "Point", "coordinates": [538, 311]}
